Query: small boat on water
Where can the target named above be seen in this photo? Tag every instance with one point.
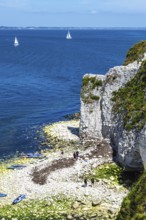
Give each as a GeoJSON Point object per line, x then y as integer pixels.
{"type": "Point", "coordinates": [18, 199]}
{"type": "Point", "coordinates": [16, 42]}
{"type": "Point", "coordinates": [3, 195]}
{"type": "Point", "coordinates": [16, 167]}
{"type": "Point", "coordinates": [34, 155]}
{"type": "Point", "coordinates": [68, 36]}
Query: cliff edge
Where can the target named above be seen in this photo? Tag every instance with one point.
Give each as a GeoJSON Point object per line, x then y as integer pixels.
{"type": "Point", "coordinates": [113, 107]}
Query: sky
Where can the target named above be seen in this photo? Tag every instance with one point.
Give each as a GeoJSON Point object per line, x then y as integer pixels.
{"type": "Point", "coordinates": [73, 13]}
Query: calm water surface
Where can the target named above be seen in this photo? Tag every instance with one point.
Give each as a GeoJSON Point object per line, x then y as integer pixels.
{"type": "Point", "coordinates": [40, 80]}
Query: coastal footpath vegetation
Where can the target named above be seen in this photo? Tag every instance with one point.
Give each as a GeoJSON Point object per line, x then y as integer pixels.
{"type": "Point", "coordinates": [130, 101]}
{"type": "Point", "coordinates": [135, 53]}
{"type": "Point", "coordinates": [134, 205]}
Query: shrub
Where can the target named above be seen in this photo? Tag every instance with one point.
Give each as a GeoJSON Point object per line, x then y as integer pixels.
{"type": "Point", "coordinates": [134, 205]}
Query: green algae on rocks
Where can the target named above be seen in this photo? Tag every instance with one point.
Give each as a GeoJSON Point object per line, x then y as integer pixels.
{"type": "Point", "coordinates": [109, 171]}
{"type": "Point", "coordinates": [136, 52]}
{"type": "Point", "coordinates": [56, 208]}
{"type": "Point", "coordinates": [130, 101]}
{"type": "Point", "coordinates": [114, 174]}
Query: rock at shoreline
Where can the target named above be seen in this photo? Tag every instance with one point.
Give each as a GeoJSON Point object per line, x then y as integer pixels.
{"type": "Point", "coordinates": [64, 130]}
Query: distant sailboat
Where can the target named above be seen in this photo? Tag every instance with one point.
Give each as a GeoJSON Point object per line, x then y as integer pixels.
{"type": "Point", "coordinates": [16, 42]}
{"type": "Point", "coordinates": [68, 36]}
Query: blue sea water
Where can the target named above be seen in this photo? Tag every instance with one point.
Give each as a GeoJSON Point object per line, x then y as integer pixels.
{"type": "Point", "coordinates": [40, 80]}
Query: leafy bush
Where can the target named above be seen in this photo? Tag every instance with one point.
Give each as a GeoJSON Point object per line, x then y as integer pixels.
{"type": "Point", "coordinates": [94, 97]}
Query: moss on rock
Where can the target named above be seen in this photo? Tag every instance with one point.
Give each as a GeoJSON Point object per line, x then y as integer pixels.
{"type": "Point", "coordinates": [136, 52]}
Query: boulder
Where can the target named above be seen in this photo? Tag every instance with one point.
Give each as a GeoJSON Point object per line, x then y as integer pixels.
{"type": "Point", "coordinates": [96, 201]}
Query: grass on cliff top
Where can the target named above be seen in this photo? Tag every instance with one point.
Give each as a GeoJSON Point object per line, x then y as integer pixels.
{"type": "Point", "coordinates": [136, 52]}
{"type": "Point", "coordinates": [134, 205]}
{"type": "Point", "coordinates": [89, 83]}
{"type": "Point", "coordinates": [91, 79]}
{"type": "Point", "coordinates": [130, 101]}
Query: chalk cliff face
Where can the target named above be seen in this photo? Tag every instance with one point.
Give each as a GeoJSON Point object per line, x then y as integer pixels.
{"type": "Point", "coordinates": [113, 107]}
{"type": "Point", "coordinates": [91, 121]}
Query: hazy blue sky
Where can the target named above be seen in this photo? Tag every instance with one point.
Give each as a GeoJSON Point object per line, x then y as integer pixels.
{"type": "Point", "coordinates": [79, 13]}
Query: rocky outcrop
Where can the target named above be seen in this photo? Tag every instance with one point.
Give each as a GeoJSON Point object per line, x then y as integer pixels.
{"type": "Point", "coordinates": [107, 117]}
{"type": "Point", "coordinates": [91, 121]}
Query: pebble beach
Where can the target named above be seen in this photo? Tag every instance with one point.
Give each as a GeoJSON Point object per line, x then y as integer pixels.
{"type": "Point", "coordinates": [40, 180]}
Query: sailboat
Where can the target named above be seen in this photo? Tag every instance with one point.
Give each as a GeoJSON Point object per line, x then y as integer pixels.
{"type": "Point", "coordinates": [16, 42]}
{"type": "Point", "coordinates": [68, 36]}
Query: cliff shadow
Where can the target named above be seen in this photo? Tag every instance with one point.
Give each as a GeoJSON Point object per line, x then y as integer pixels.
{"type": "Point", "coordinates": [73, 130]}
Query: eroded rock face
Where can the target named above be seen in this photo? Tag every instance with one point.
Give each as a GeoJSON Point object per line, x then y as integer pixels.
{"type": "Point", "coordinates": [98, 120]}
{"type": "Point", "coordinates": [142, 145]}
{"type": "Point", "coordinates": [116, 78]}
{"type": "Point", "coordinates": [91, 121]}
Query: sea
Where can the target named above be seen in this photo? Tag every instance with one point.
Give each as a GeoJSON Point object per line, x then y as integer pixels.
{"type": "Point", "coordinates": [40, 80]}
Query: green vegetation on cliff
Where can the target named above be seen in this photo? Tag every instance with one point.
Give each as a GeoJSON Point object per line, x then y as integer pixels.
{"type": "Point", "coordinates": [95, 82]}
{"type": "Point", "coordinates": [90, 83]}
{"type": "Point", "coordinates": [134, 205]}
{"type": "Point", "coordinates": [136, 52]}
{"type": "Point", "coordinates": [130, 101]}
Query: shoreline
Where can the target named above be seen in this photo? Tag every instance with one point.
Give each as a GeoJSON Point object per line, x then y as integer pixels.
{"type": "Point", "coordinates": [63, 130]}
{"type": "Point", "coordinates": [67, 176]}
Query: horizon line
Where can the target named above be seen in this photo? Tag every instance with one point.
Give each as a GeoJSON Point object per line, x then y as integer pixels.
{"type": "Point", "coordinates": [65, 27]}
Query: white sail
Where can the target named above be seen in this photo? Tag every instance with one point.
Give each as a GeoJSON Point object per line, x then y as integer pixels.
{"type": "Point", "coordinates": [68, 36]}
{"type": "Point", "coordinates": [16, 42]}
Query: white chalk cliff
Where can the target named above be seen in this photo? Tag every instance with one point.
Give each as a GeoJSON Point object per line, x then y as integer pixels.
{"type": "Point", "coordinates": [100, 121]}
